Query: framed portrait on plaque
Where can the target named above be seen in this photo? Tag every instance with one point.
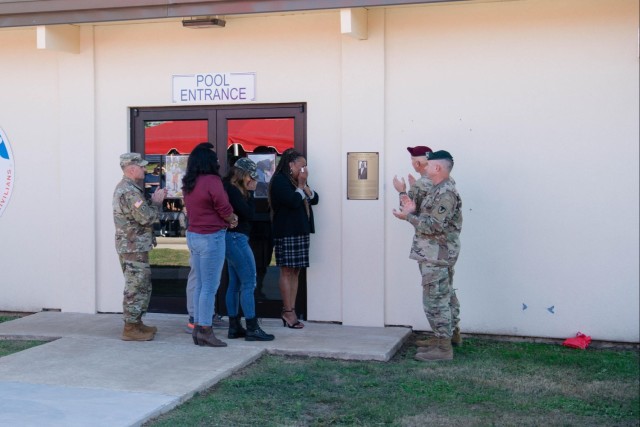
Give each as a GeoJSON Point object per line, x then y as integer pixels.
{"type": "Point", "coordinates": [266, 167]}
{"type": "Point", "coordinates": [175, 168]}
{"type": "Point", "coordinates": [362, 176]}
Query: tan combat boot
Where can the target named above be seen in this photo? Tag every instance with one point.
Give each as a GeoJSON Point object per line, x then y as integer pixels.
{"type": "Point", "coordinates": [424, 349]}
{"type": "Point", "coordinates": [429, 342]}
{"type": "Point", "coordinates": [146, 328]}
{"type": "Point", "coordinates": [132, 332]}
{"type": "Point", "coordinates": [442, 351]}
{"type": "Point", "coordinates": [456, 339]}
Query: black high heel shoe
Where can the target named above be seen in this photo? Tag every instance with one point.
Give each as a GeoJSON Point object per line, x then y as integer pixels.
{"type": "Point", "coordinates": [296, 325]}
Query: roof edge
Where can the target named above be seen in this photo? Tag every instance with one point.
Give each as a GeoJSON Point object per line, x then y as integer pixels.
{"type": "Point", "coordinates": [21, 13]}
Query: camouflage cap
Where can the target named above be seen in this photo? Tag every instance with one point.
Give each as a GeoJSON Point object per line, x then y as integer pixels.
{"type": "Point", "coordinates": [419, 151]}
{"type": "Point", "coordinates": [247, 165]}
{"type": "Point", "coordinates": [127, 159]}
{"type": "Point", "coordinates": [440, 155]}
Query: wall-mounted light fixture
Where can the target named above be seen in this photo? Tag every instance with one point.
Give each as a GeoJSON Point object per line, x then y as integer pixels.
{"type": "Point", "coordinates": [206, 22]}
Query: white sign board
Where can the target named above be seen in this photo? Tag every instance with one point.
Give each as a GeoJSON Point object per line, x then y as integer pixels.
{"type": "Point", "coordinates": [213, 87]}
{"type": "Point", "coordinates": [7, 171]}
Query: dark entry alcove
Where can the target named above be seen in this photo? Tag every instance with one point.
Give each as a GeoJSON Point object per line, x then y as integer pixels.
{"type": "Point", "coordinates": [168, 294]}
{"type": "Point", "coordinates": [166, 136]}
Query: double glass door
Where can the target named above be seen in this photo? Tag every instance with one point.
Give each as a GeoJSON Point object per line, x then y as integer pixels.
{"type": "Point", "coordinates": [166, 136]}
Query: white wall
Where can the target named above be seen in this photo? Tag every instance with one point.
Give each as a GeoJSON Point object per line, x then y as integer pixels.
{"type": "Point", "coordinates": [536, 99]}
{"type": "Point", "coordinates": [47, 230]}
{"type": "Point", "coordinates": [363, 128]}
{"type": "Point", "coordinates": [538, 102]}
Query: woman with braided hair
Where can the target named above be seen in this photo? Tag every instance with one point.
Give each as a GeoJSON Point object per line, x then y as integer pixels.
{"type": "Point", "coordinates": [290, 200]}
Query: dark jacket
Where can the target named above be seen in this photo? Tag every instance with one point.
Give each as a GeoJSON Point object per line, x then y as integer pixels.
{"type": "Point", "coordinates": [289, 216]}
{"type": "Point", "coordinates": [243, 207]}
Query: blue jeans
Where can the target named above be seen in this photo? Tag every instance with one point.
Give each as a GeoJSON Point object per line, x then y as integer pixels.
{"type": "Point", "coordinates": [191, 287]}
{"type": "Point", "coordinates": [207, 259]}
{"type": "Point", "coordinates": [242, 275]}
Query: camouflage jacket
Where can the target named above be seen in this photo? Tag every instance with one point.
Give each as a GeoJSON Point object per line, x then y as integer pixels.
{"type": "Point", "coordinates": [437, 223]}
{"type": "Point", "coordinates": [419, 190]}
{"type": "Point", "coordinates": [133, 216]}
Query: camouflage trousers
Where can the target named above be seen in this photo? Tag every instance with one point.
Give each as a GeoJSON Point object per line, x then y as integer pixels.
{"type": "Point", "coordinates": [439, 299]}
{"type": "Point", "coordinates": [137, 287]}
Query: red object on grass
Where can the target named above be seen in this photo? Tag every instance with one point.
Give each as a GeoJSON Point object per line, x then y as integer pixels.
{"type": "Point", "coordinates": [580, 341]}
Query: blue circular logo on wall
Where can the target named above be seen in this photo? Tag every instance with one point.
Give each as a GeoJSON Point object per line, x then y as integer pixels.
{"type": "Point", "coordinates": [7, 171]}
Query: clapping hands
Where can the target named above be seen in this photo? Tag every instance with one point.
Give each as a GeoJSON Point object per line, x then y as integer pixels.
{"type": "Point", "coordinates": [407, 206]}
{"type": "Point", "coordinates": [400, 185]}
{"type": "Point", "coordinates": [158, 196]}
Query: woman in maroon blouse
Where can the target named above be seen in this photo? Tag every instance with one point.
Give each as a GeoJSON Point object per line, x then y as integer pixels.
{"type": "Point", "coordinates": [210, 214]}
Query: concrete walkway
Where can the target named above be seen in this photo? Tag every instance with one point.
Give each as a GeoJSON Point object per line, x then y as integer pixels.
{"type": "Point", "coordinates": [88, 376]}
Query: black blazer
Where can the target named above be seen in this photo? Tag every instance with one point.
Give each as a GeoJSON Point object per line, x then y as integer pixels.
{"type": "Point", "coordinates": [289, 217]}
{"type": "Point", "coordinates": [244, 208]}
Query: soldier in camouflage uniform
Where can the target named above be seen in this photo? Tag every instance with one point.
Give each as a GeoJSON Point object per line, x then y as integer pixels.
{"type": "Point", "coordinates": [417, 192]}
{"type": "Point", "coordinates": [134, 216]}
{"type": "Point", "coordinates": [419, 187]}
{"type": "Point", "coordinates": [436, 246]}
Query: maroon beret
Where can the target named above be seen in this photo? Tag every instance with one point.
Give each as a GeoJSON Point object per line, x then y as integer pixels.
{"type": "Point", "coordinates": [418, 151]}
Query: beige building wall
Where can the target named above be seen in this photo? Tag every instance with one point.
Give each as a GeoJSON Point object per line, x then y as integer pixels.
{"type": "Point", "coordinates": [538, 102]}
{"type": "Point", "coordinates": [47, 231]}
{"type": "Point", "coordinates": [296, 58]}
{"type": "Point", "coordinates": [536, 99]}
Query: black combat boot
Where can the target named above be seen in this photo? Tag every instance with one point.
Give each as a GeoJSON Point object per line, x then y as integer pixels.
{"type": "Point", "coordinates": [235, 328]}
{"type": "Point", "coordinates": [254, 333]}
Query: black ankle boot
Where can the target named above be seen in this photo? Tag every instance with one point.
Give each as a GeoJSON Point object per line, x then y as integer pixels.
{"type": "Point", "coordinates": [254, 333]}
{"type": "Point", "coordinates": [235, 328]}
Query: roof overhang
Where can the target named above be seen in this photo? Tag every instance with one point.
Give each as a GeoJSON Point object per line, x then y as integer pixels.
{"type": "Point", "coordinates": [20, 13]}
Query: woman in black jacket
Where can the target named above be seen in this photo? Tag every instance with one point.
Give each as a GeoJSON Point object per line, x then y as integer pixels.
{"type": "Point", "coordinates": [290, 199]}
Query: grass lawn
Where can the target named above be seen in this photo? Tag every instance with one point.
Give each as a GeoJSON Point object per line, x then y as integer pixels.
{"type": "Point", "coordinates": [176, 257]}
{"type": "Point", "coordinates": [488, 383]}
{"type": "Point", "coordinates": [13, 346]}
{"type": "Point", "coordinates": [169, 257]}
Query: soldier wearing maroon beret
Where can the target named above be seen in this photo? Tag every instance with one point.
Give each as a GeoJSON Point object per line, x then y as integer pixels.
{"type": "Point", "coordinates": [419, 151]}
{"type": "Point", "coordinates": [417, 187]}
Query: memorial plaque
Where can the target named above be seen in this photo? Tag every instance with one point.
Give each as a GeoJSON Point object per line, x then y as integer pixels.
{"type": "Point", "coordinates": [362, 176]}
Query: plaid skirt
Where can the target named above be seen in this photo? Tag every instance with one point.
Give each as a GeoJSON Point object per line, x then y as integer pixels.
{"type": "Point", "coordinates": [292, 251]}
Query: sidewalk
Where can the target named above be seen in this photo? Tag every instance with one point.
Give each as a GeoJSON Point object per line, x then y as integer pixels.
{"type": "Point", "coordinates": [88, 376]}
